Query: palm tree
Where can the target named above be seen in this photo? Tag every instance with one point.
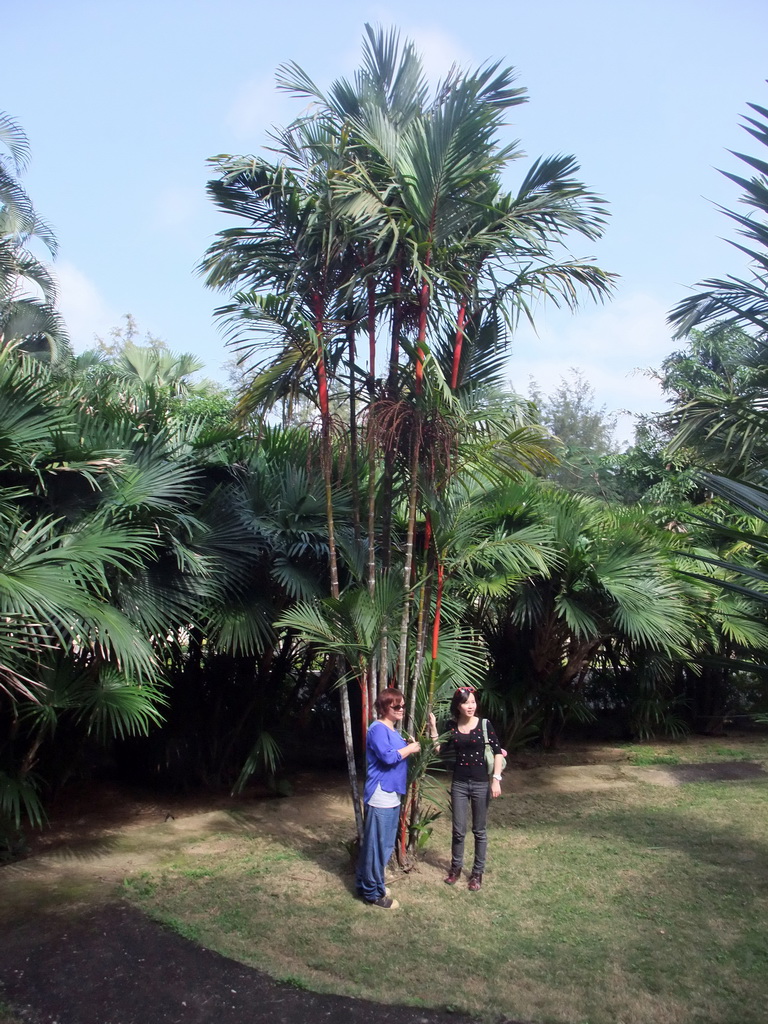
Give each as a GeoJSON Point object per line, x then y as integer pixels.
{"type": "Point", "coordinates": [734, 301]}
{"type": "Point", "coordinates": [386, 209]}
{"type": "Point", "coordinates": [611, 587]}
{"type": "Point", "coordinates": [724, 424]}
{"type": "Point", "coordinates": [28, 316]}
{"type": "Point", "coordinates": [67, 646]}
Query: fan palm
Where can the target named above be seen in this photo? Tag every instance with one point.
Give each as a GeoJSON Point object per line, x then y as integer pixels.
{"type": "Point", "coordinates": [101, 564]}
{"type": "Point", "coordinates": [612, 584]}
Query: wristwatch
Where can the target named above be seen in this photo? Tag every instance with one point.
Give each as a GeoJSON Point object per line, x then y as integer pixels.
{"type": "Point", "coordinates": [498, 778]}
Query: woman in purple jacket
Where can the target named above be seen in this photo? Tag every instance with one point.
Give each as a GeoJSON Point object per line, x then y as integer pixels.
{"type": "Point", "coordinates": [386, 781]}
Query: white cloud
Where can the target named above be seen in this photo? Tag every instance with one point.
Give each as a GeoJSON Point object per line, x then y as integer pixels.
{"type": "Point", "coordinates": [177, 206]}
{"type": "Point", "coordinates": [85, 311]}
{"type": "Point", "coordinates": [611, 347]}
{"type": "Point", "coordinates": [259, 104]}
{"type": "Point", "coordinates": [439, 52]}
{"type": "Point", "coordinates": [256, 107]}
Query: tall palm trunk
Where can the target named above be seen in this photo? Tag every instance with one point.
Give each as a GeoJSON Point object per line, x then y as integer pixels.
{"type": "Point", "coordinates": [436, 632]}
{"type": "Point", "coordinates": [394, 353]}
{"type": "Point", "coordinates": [373, 674]}
{"type": "Point", "coordinates": [458, 345]}
{"type": "Point", "coordinates": [327, 467]}
{"type": "Point", "coordinates": [421, 633]}
{"type": "Point", "coordinates": [413, 494]}
{"type": "Point", "coordinates": [353, 423]}
{"type": "Point", "coordinates": [389, 460]}
{"type": "Point", "coordinates": [423, 309]}
{"type": "Point", "coordinates": [371, 437]}
{"type": "Point", "coordinates": [402, 660]}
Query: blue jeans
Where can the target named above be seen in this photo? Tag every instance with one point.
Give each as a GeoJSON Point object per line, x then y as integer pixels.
{"type": "Point", "coordinates": [378, 845]}
{"type": "Point", "coordinates": [463, 793]}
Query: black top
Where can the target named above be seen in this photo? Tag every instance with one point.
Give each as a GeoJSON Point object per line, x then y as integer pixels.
{"type": "Point", "coordinates": [467, 750]}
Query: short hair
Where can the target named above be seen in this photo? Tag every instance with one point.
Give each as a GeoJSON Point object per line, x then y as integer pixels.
{"type": "Point", "coordinates": [386, 699]}
{"type": "Point", "coordinates": [460, 697]}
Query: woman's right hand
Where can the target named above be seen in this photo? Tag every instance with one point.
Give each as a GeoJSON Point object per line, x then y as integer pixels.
{"type": "Point", "coordinates": [411, 748]}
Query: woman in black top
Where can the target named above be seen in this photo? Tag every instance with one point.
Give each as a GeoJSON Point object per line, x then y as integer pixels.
{"type": "Point", "coordinates": [471, 785]}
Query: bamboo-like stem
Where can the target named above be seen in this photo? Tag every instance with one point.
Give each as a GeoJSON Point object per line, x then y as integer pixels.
{"type": "Point", "coordinates": [371, 439]}
{"type": "Point", "coordinates": [372, 678]}
{"type": "Point", "coordinates": [438, 609]}
{"type": "Point", "coordinates": [421, 636]}
{"type": "Point", "coordinates": [389, 459]}
{"type": "Point", "coordinates": [394, 353]}
{"type": "Point", "coordinates": [353, 425]}
{"type": "Point", "coordinates": [371, 566]}
{"type": "Point", "coordinates": [384, 660]}
{"type": "Point", "coordinates": [327, 462]}
{"type": "Point", "coordinates": [371, 288]}
{"type": "Point", "coordinates": [346, 720]}
{"type": "Point", "coordinates": [402, 660]}
{"type": "Point", "coordinates": [405, 815]}
{"type": "Point", "coordinates": [419, 372]}
{"type": "Point", "coordinates": [370, 681]}
{"type": "Point", "coordinates": [365, 717]}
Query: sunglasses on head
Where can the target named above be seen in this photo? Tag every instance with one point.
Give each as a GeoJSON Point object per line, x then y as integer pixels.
{"type": "Point", "coordinates": [466, 690]}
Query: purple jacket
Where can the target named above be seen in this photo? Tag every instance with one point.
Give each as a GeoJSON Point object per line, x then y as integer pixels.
{"type": "Point", "coordinates": [383, 761]}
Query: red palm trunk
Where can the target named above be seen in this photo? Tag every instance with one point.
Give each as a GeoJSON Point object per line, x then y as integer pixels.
{"type": "Point", "coordinates": [458, 346]}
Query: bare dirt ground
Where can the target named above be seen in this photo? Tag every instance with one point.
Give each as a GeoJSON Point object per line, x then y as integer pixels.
{"type": "Point", "coordinates": [72, 953]}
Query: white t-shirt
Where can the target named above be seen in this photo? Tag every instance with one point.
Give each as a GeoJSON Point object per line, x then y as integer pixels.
{"type": "Point", "coordinates": [381, 798]}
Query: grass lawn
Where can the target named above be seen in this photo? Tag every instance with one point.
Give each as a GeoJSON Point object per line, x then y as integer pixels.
{"type": "Point", "coordinates": [632, 905]}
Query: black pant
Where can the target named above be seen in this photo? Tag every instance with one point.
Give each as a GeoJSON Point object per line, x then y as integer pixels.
{"type": "Point", "coordinates": [463, 793]}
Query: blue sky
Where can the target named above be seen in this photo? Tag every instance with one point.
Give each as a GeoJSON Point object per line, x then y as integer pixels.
{"type": "Point", "coordinates": [124, 100]}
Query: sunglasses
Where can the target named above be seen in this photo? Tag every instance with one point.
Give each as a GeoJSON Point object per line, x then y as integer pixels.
{"type": "Point", "coordinates": [397, 707]}
{"type": "Point", "coordinates": [466, 689]}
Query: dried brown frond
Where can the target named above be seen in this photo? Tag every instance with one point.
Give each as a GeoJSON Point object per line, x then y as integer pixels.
{"type": "Point", "coordinates": [338, 430]}
{"type": "Point", "coordinates": [399, 425]}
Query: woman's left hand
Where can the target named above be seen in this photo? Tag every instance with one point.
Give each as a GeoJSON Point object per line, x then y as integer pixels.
{"type": "Point", "coordinates": [495, 788]}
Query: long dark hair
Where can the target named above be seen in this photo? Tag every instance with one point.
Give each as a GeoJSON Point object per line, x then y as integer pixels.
{"type": "Point", "coordinates": [460, 697]}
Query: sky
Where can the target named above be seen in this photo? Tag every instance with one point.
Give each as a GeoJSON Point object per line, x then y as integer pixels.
{"type": "Point", "coordinates": [123, 102]}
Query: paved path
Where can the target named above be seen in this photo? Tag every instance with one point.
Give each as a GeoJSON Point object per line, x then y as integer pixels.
{"type": "Point", "coordinates": [113, 965]}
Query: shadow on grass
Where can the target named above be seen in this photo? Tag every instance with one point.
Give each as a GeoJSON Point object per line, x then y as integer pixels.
{"type": "Point", "coordinates": [719, 845]}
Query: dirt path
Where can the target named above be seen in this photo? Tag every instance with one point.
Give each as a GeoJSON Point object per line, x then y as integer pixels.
{"type": "Point", "coordinates": [112, 965]}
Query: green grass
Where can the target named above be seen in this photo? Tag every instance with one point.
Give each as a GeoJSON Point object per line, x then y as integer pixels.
{"type": "Point", "coordinates": [642, 756]}
{"type": "Point", "coordinates": [692, 749]}
{"type": "Point", "coordinates": [639, 904]}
